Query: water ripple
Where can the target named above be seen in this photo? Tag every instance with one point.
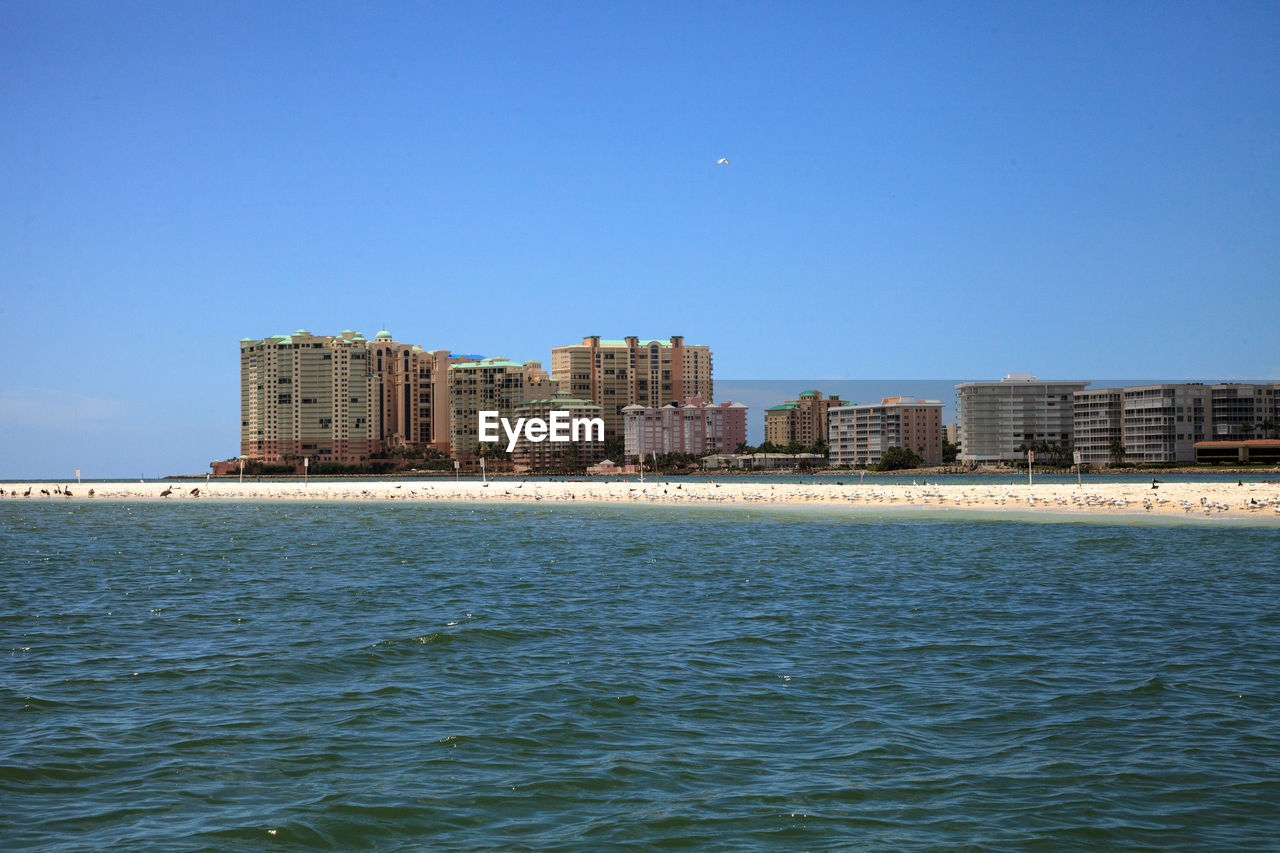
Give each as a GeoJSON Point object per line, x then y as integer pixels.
{"type": "Point", "coordinates": [246, 677]}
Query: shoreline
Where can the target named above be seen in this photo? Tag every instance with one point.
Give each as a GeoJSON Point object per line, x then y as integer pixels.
{"type": "Point", "coordinates": [1256, 501]}
{"type": "Point", "coordinates": [941, 471]}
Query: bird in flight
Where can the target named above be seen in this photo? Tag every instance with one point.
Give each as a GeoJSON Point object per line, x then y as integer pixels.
{"type": "Point", "coordinates": [723, 161]}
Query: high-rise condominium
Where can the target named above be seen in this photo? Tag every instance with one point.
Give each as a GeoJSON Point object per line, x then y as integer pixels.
{"type": "Point", "coordinates": [308, 396]}
{"type": "Point", "coordinates": [615, 374]}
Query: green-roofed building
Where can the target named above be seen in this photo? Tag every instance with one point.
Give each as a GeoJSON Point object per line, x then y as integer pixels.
{"type": "Point", "coordinates": [616, 373]}
{"type": "Point", "coordinates": [802, 421]}
{"type": "Point", "coordinates": [548, 456]}
{"type": "Point", "coordinates": [414, 397]}
{"type": "Point", "coordinates": [308, 396]}
{"type": "Point", "coordinates": [489, 384]}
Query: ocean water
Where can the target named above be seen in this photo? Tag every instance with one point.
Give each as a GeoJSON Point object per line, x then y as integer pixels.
{"type": "Point", "coordinates": [222, 676]}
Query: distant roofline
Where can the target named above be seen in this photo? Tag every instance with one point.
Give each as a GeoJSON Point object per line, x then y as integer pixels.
{"type": "Point", "coordinates": [1006, 383]}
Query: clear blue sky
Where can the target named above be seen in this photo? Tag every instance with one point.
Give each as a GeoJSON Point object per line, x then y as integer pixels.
{"type": "Point", "coordinates": [916, 190]}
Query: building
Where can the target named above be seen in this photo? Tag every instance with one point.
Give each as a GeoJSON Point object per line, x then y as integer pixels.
{"type": "Point", "coordinates": [615, 374]}
{"type": "Point", "coordinates": [1098, 415]}
{"type": "Point", "coordinates": [305, 396]}
{"type": "Point", "coordinates": [767, 461]}
{"type": "Point", "coordinates": [802, 421]}
{"type": "Point", "coordinates": [996, 418]}
{"type": "Point", "coordinates": [414, 397]}
{"type": "Point", "coordinates": [547, 455]}
{"type": "Point", "coordinates": [860, 434]}
{"type": "Point", "coordinates": [696, 428]}
{"type": "Point", "coordinates": [1171, 422]}
{"type": "Point", "coordinates": [609, 468]}
{"type": "Point", "coordinates": [1162, 423]}
{"type": "Point", "coordinates": [489, 384]}
{"type": "Point", "coordinates": [1250, 451]}
{"type": "Point", "coordinates": [1241, 412]}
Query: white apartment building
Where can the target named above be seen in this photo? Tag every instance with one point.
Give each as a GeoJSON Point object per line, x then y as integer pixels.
{"type": "Point", "coordinates": [997, 417]}
{"type": "Point", "coordinates": [1242, 411]}
{"type": "Point", "coordinates": [1099, 421]}
{"type": "Point", "coordinates": [1162, 423]}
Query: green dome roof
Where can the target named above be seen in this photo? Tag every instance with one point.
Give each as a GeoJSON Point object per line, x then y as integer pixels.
{"type": "Point", "coordinates": [384, 335]}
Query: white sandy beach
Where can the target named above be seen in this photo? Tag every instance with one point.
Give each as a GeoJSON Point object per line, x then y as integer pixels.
{"type": "Point", "coordinates": [1200, 500]}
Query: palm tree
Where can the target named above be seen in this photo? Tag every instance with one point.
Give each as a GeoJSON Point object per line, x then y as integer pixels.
{"type": "Point", "coordinates": [1117, 450]}
{"type": "Point", "coordinates": [1268, 428]}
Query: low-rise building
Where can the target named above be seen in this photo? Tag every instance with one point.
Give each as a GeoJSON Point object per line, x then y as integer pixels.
{"type": "Point", "coordinates": [860, 434]}
{"type": "Point", "coordinates": [768, 461]}
{"type": "Point", "coordinates": [609, 468]}
{"type": "Point", "coordinates": [1244, 452]}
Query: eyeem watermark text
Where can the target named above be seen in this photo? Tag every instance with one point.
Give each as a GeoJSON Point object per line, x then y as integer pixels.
{"type": "Point", "coordinates": [560, 428]}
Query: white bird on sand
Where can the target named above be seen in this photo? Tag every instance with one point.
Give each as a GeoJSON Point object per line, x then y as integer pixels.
{"type": "Point", "coordinates": [723, 161]}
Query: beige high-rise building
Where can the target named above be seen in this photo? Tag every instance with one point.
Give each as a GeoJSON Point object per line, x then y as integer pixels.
{"type": "Point", "coordinates": [308, 396]}
{"type": "Point", "coordinates": [414, 397]}
{"type": "Point", "coordinates": [615, 374]}
{"type": "Point", "coordinates": [490, 384]}
{"type": "Point", "coordinates": [803, 421]}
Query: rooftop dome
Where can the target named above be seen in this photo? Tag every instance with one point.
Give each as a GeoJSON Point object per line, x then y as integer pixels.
{"type": "Point", "coordinates": [384, 335]}
{"type": "Point", "coordinates": [303, 333]}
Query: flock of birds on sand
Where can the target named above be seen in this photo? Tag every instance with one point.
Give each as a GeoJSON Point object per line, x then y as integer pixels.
{"type": "Point", "coordinates": [754, 493]}
{"type": "Point", "coordinates": [64, 491]}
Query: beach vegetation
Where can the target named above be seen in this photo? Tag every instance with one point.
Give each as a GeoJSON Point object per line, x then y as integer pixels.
{"type": "Point", "coordinates": [1049, 455]}
{"type": "Point", "coordinates": [897, 459]}
{"type": "Point", "coordinates": [950, 452]}
{"type": "Point", "coordinates": [1116, 451]}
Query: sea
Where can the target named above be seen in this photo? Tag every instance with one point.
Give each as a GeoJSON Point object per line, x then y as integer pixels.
{"type": "Point", "coordinates": [292, 675]}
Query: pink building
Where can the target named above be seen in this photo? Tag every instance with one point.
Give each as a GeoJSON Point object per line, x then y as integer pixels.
{"type": "Point", "coordinates": [696, 428]}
